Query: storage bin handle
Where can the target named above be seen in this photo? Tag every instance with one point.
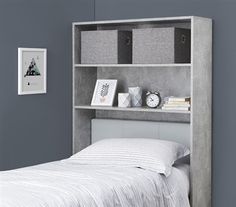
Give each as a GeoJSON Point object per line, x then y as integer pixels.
{"type": "Point", "coordinates": [183, 38]}
{"type": "Point", "coordinates": [128, 41]}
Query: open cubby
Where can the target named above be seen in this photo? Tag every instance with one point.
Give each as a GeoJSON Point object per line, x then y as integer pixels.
{"type": "Point", "coordinates": [177, 79]}
{"type": "Point", "coordinates": [125, 26]}
{"type": "Point", "coordinates": [148, 78]}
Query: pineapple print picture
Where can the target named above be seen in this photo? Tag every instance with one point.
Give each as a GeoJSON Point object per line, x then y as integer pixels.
{"type": "Point", "coordinates": [31, 71]}
{"type": "Point", "coordinates": [104, 92]}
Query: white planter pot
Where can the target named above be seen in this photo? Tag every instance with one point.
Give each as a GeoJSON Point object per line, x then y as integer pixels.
{"type": "Point", "coordinates": [136, 96]}
{"type": "Point", "coordinates": [124, 100]}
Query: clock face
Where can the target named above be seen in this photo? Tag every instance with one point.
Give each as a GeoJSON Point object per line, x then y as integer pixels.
{"type": "Point", "coordinates": [153, 100]}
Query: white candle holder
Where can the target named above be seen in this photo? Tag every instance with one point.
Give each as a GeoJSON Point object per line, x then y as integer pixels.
{"type": "Point", "coordinates": [136, 96]}
{"type": "Point", "coordinates": [124, 100]}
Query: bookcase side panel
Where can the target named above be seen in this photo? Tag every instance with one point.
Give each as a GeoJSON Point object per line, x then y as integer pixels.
{"type": "Point", "coordinates": [201, 114]}
{"type": "Point", "coordinates": [84, 80]}
{"type": "Point", "coordinates": [76, 44]}
{"type": "Point", "coordinates": [82, 129]}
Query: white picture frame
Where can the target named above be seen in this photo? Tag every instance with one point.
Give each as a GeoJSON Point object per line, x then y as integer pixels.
{"type": "Point", "coordinates": [104, 92]}
{"type": "Point", "coordinates": [32, 71]}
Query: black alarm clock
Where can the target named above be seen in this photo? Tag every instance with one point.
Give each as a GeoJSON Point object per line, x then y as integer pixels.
{"type": "Point", "coordinates": [153, 99]}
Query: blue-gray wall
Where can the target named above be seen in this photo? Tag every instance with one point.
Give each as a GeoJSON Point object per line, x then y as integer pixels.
{"type": "Point", "coordinates": [223, 12]}
{"type": "Point", "coordinates": [37, 128]}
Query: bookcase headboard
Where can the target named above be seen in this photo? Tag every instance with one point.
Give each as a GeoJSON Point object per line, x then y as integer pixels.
{"type": "Point", "coordinates": [193, 78]}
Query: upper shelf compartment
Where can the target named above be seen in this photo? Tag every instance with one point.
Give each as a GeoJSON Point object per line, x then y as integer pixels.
{"type": "Point", "coordinates": [139, 43]}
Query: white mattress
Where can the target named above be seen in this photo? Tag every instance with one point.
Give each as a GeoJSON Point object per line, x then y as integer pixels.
{"type": "Point", "coordinates": [66, 184]}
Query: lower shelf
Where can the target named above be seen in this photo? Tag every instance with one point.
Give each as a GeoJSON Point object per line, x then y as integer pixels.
{"type": "Point", "coordinates": [134, 109]}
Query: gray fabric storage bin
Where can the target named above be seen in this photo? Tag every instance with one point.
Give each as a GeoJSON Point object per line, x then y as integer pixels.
{"type": "Point", "coordinates": [161, 45]}
{"type": "Point", "coordinates": [106, 47]}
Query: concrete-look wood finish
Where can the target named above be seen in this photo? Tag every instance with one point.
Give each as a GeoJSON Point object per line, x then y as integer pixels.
{"type": "Point", "coordinates": [201, 111]}
{"type": "Point", "coordinates": [82, 129]}
{"type": "Point", "coordinates": [84, 83]}
{"type": "Point", "coordinates": [193, 79]}
{"type": "Point", "coordinates": [134, 109]}
{"type": "Point", "coordinates": [170, 81]}
{"type": "Point", "coordinates": [145, 116]}
{"type": "Point", "coordinates": [134, 65]}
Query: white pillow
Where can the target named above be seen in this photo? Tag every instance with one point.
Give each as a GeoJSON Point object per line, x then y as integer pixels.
{"type": "Point", "coordinates": [150, 154]}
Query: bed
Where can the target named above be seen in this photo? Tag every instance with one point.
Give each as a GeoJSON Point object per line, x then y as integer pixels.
{"type": "Point", "coordinates": [63, 183]}
{"type": "Point", "coordinates": [84, 181]}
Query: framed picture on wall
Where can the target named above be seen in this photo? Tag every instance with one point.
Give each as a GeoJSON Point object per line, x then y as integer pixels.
{"type": "Point", "coordinates": [104, 92]}
{"type": "Point", "coordinates": [32, 71]}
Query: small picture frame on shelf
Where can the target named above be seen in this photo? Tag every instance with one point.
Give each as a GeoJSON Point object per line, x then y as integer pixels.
{"type": "Point", "coordinates": [104, 92]}
{"type": "Point", "coordinates": [32, 71]}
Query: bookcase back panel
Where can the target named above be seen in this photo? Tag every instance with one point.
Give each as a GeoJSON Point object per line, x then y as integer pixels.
{"type": "Point", "coordinates": [146, 116]}
{"type": "Point", "coordinates": [84, 83]}
{"type": "Point", "coordinates": [130, 26]}
{"type": "Point", "coordinates": [168, 81]}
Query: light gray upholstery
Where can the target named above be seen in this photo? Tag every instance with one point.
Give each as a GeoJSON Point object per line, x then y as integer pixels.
{"type": "Point", "coordinates": [108, 128]}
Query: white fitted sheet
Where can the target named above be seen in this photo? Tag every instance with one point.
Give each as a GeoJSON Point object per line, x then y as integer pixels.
{"type": "Point", "coordinates": [67, 184]}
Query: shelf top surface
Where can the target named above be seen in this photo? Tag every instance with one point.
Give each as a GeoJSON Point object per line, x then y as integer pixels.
{"type": "Point", "coordinates": [135, 65]}
{"type": "Point", "coordinates": [134, 109]}
{"type": "Point", "coordinates": [160, 19]}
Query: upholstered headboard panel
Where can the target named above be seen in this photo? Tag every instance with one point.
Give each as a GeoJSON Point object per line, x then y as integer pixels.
{"type": "Point", "coordinates": [109, 128]}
